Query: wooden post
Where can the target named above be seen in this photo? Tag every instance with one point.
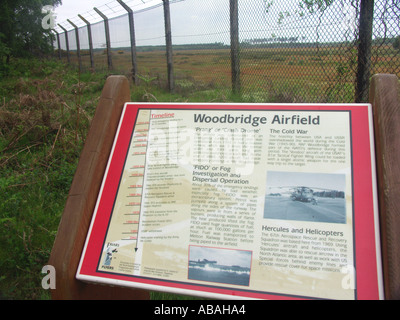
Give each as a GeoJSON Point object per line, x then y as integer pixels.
{"type": "Point", "coordinates": [364, 50]}
{"type": "Point", "coordinates": [108, 41]}
{"type": "Point", "coordinates": [89, 29]}
{"type": "Point", "coordinates": [133, 40]}
{"type": "Point", "coordinates": [76, 218]}
{"type": "Point", "coordinates": [66, 42]}
{"type": "Point", "coordinates": [384, 97]}
{"type": "Point", "coordinates": [235, 60]}
{"type": "Point", "coordinates": [78, 46]}
{"type": "Point", "coordinates": [168, 42]}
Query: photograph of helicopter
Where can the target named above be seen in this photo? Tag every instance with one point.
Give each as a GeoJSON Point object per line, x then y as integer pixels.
{"type": "Point", "coordinates": [303, 194]}
{"type": "Point", "coordinates": [304, 200]}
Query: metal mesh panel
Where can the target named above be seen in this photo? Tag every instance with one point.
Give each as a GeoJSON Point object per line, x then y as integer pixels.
{"type": "Point", "coordinates": [201, 36]}
{"type": "Point", "coordinates": [386, 37]}
{"type": "Point", "coordinates": [150, 41]}
{"type": "Point", "coordinates": [120, 43]}
{"type": "Point", "coordinates": [84, 46]}
{"type": "Point", "coordinates": [83, 38]}
{"type": "Point", "coordinates": [72, 47]}
{"type": "Point", "coordinates": [199, 22]}
{"type": "Point", "coordinates": [99, 45]}
{"type": "Point", "coordinates": [119, 39]}
{"type": "Point", "coordinates": [98, 35]}
{"type": "Point", "coordinates": [63, 44]}
{"type": "Point", "coordinates": [149, 27]}
{"type": "Point", "coordinates": [290, 51]}
{"type": "Point", "coordinates": [72, 40]}
{"type": "Point", "coordinates": [294, 54]}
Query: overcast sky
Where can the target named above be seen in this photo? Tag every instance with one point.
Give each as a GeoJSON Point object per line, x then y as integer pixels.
{"type": "Point", "coordinates": [71, 8]}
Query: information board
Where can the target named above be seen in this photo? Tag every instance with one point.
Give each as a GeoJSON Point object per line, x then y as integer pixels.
{"type": "Point", "coordinates": [256, 201]}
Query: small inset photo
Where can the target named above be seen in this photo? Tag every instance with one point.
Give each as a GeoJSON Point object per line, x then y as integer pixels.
{"type": "Point", "coordinates": [219, 265]}
{"type": "Point", "coordinates": [303, 196]}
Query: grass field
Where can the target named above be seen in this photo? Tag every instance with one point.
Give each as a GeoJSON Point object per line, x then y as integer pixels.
{"type": "Point", "coordinates": [45, 112]}
{"type": "Point", "coordinates": [324, 74]}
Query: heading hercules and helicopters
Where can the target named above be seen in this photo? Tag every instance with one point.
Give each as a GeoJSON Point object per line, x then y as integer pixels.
{"type": "Point", "coordinates": [306, 194]}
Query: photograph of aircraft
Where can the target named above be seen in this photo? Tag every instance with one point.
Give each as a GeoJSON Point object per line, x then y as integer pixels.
{"type": "Point", "coordinates": [303, 194]}
{"type": "Point", "coordinates": [304, 201]}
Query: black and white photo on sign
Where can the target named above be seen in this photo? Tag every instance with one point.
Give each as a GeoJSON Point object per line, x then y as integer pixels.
{"type": "Point", "coordinates": [306, 196]}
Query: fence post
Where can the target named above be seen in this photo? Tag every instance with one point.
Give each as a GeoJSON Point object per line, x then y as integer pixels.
{"type": "Point", "coordinates": [108, 42]}
{"type": "Point", "coordinates": [364, 50]}
{"type": "Point", "coordinates": [235, 60]}
{"type": "Point", "coordinates": [78, 46]}
{"type": "Point", "coordinates": [168, 41]}
{"type": "Point", "coordinates": [89, 28]}
{"type": "Point", "coordinates": [66, 42]}
{"type": "Point", "coordinates": [133, 40]}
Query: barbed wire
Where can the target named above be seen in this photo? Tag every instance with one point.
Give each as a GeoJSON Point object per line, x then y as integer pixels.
{"type": "Point", "coordinates": [111, 10]}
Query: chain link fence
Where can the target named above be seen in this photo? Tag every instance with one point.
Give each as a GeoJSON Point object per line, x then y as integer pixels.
{"type": "Point", "coordinates": [289, 51]}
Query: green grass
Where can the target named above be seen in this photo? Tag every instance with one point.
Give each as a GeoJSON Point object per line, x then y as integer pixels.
{"type": "Point", "coordinates": [45, 112]}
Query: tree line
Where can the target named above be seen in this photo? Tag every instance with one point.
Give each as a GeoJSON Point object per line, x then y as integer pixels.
{"type": "Point", "coordinates": [21, 30]}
